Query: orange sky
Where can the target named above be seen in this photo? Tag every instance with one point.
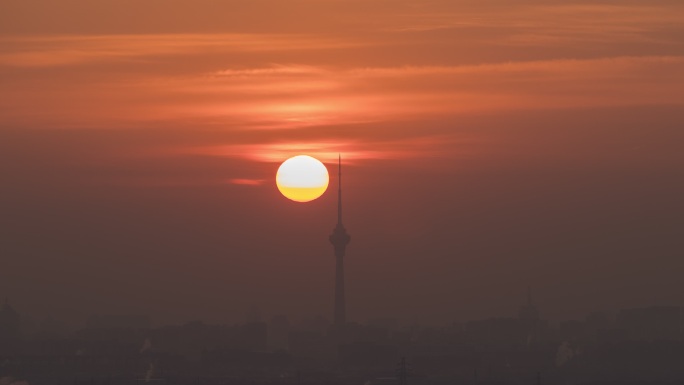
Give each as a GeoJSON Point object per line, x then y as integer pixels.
{"type": "Point", "coordinates": [493, 139]}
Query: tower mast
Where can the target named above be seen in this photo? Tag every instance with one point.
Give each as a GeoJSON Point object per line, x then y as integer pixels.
{"type": "Point", "coordinates": [339, 189]}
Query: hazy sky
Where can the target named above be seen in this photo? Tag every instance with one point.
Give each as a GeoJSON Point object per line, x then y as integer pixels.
{"type": "Point", "coordinates": [490, 145]}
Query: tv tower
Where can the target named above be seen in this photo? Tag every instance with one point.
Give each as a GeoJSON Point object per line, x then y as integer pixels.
{"type": "Point", "coordinates": [339, 239]}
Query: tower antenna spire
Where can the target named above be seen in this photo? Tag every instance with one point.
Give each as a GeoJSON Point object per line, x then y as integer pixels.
{"type": "Point", "coordinates": [339, 188]}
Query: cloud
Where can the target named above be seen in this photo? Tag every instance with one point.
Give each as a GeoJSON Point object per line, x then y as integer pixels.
{"type": "Point", "coordinates": [276, 152]}
{"type": "Point", "coordinates": [529, 24]}
{"type": "Point", "coordinates": [247, 182]}
{"type": "Point", "coordinates": [277, 69]}
{"type": "Point", "coordinates": [296, 96]}
{"type": "Point", "coordinates": [64, 50]}
{"type": "Point", "coordinates": [375, 83]}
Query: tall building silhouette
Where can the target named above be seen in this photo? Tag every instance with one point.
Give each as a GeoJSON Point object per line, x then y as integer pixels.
{"type": "Point", "coordinates": [528, 312]}
{"type": "Point", "coordinates": [339, 239]}
{"type": "Point", "coordinates": [530, 321]}
{"type": "Point", "coordinates": [10, 323]}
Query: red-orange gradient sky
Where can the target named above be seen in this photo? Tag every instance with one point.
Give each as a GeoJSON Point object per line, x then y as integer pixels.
{"type": "Point", "coordinates": [491, 145]}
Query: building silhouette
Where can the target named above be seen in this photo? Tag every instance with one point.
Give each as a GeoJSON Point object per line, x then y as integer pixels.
{"type": "Point", "coordinates": [9, 321]}
{"type": "Point", "coordinates": [530, 320]}
{"type": "Point", "coordinates": [528, 312]}
{"type": "Point", "coordinates": [10, 325]}
{"type": "Point", "coordinates": [339, 239]}
{"type": "Point", "coordinates": [118, 321]}
{"type": "Point", "coordinates": [651, 323]}
{"type": "Point", "coordinates": [278, 333]}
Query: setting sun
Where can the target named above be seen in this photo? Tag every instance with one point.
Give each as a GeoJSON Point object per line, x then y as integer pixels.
{"type": "Point", "coordinates": [302, 178]}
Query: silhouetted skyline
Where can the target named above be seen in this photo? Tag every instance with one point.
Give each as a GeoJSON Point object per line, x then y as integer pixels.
{"type": "Point", "coordinates": [638, 344]}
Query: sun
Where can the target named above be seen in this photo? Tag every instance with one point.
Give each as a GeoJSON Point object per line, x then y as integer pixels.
{"type": "Point", "coordinates": [302, 178]}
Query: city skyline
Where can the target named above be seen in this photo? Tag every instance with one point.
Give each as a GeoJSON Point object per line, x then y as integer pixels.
{"type": "Point", "coordinates": [640, 344]}
{"type": "Point", "coordinates": [526, 310]}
